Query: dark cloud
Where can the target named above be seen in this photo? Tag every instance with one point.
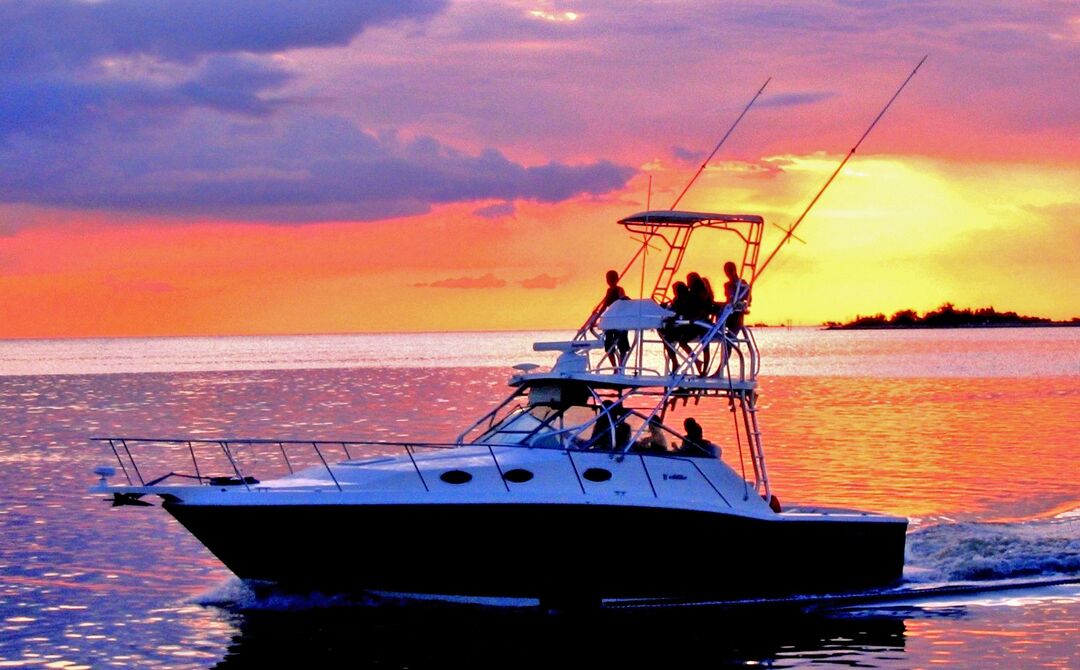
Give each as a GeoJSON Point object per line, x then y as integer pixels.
{"type": "Point", "coordinates": [49, 35]}
{"type": "Point", "coordinates": [487, 281]}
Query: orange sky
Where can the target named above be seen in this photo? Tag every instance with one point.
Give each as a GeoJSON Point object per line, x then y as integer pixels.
{"type": "Point", "coordinates": [193, 222]}
{"type": "Point", "coordinates": [892, 233]}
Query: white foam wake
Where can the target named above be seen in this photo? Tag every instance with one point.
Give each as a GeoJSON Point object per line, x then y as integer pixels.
{"type": "Point", "coordinates": [992, 551]}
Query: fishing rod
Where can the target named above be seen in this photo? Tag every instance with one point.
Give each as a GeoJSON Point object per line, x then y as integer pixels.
{"type": "Point", "coordinates": [645, 238]}
{"type": "Point", "coordinates": [789, 232]}
{"type": "Point", "coordinates": [720, 143]}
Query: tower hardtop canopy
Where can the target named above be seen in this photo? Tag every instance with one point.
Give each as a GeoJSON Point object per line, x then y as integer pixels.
{"type": "Point", "coordinates": [665, 217]}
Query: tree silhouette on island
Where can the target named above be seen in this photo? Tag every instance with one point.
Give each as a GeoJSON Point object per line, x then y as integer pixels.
{"type": "Point", "coordinates": [948, 316]}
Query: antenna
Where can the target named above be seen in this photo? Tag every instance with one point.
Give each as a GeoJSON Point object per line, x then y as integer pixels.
{"type": "Point", "coordinates": [790, 231]}
{"type": "Point", "coordinates": [645, 244]}
{"type": "Point", "coordinates": [720, 143]}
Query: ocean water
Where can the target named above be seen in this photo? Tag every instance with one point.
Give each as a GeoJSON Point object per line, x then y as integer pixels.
{"type": "Point", "coordinates": [974, 435]}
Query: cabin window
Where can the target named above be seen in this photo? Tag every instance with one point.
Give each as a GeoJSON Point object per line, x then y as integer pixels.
{"type": "Point", "coordinates": [517, 475]}
{"type": "Point", "coordinates": [456, 477]}
{"type": "Point", "coordinates": [597, 474]}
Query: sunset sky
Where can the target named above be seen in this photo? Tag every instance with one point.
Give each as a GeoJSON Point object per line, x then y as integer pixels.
{"type": "Point", "coordinates": [243, 167]}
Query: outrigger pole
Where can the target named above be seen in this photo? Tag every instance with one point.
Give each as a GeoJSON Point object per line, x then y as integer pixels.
{"type": "Point", "coordinates": [789, 232]}
{"type": "Point", "coordinates": [720, 144]}
{"type": "Point", "coordinates": [645, 239]}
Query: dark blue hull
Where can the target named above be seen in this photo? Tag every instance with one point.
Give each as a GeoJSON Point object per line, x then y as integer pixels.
{"type": "Point", "coordinates": [546, 551]}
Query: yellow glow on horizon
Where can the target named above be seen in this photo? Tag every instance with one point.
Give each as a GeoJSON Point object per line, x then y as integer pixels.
{"type": "Point", "coordinates": [896, 233]}
{"type": "Point", "coordinates": [891, 233]}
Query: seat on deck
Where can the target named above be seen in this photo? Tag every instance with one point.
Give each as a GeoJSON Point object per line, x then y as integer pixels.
{"type": "Point", "coordinates": [634, 315]}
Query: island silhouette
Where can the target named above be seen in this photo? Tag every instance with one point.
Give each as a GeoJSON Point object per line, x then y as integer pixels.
{"type": "Point", "coordinates": [947, 316]}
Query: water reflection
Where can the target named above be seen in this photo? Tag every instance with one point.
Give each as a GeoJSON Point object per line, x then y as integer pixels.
{"type": "Point", "coordinates": [422, 636]}
{"type": "Point", "coordinates": [81, 583]}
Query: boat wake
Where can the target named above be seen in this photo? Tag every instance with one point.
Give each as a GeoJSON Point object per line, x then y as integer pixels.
{"type": "Point", "coordinates": [239, 595]}
{"type": "Point", "coordinates": [247, 596]}
{"type": "Point", "coordinates": [978, 552]}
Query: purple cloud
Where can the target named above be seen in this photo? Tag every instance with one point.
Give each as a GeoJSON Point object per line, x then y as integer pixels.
{"type": "Point", "coordinates": [68, 67]}
{"type": "Point", "coordinates": [64, 108]}
{"type": "Point", "coordinates": [196, 123]}
{"type": "Point", "coordinates": [309, 169]}
{"type": "Point", "coordinates": [795, 99]}
{"type": "Point", "coordinates": [179, 108]}
{"type": "Point", "coordinates": [58, 34]}
{"type": "Point", "coordinates": [497, 211]}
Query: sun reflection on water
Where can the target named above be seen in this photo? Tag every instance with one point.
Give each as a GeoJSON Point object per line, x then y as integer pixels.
{"type": "Point", "coordinates": [84, 584]}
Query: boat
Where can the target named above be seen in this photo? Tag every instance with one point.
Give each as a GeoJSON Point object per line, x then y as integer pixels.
{"type": "Point", "coordinates": [559, 494]}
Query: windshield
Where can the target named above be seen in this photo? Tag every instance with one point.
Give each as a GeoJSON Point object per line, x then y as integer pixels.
{"type": "Point", "coordinates": [541, 426]}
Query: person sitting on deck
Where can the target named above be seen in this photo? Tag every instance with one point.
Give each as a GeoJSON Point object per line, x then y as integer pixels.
{"type": "Point", "coordinates": [604, 433]}
{"type": "Point", "coordinates": [687, 308]}
{"type": "Point", "coordinates": [615, 340]}
{"type": "Point", "coordinates": [695, 443]}
{"type": "Point", "coordinates": [737, 294]}
{"type": "Point", "coordinates": [702, 292]}
{"type": "Point", "coordinates": [655, 442]}
{"type": "Point", "coordinates": [623, 435]}
{"type": "Point", "coordinates": [704, 306]}
{"type": "Point", "coordinates": [682, 304]}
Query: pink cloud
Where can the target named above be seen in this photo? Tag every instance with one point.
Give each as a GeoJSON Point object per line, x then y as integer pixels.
{"type": "Point", "coordinates": [544, 281]}
{"type": "Point", "coordinates": [486, 281]}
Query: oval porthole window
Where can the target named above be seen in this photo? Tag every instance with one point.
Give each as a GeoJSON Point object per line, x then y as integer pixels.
{"type": "Point", "coordinates": [597, 474]}
{"type": "Point", "coordinates": [455, 477]}
{"type": "Point", "coordinates": [518, 475]}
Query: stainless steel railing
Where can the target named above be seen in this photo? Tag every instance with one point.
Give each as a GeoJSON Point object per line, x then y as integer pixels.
{"type": "Point", "coordinates": [122, 448]}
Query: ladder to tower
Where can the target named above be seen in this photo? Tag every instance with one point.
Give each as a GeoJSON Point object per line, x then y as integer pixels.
{"type": "Point", "coordinates": [676, 250]}
{"type": "Point", "coordinates": [748, 406]}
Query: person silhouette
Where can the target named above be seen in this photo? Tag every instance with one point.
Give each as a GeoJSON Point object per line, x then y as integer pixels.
{"type": "Point", "coordinates": [695, 443]}
{"type": "Point", "coordinates": [616, 342]}
{"type": "Point", "coordinates": [655, 441]}
{"type": "Point", "coordinates": [703, 307]}
{"type": "Point", "coordinates": [736, 294]}
{"type": "Point", "coordinates": [605, 433]}
{"type": "Point", "coordinates": [682, 303]}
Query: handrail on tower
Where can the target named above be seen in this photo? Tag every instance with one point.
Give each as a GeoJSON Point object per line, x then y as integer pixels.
{"type": "Point", "coordinates": [674, 229]}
